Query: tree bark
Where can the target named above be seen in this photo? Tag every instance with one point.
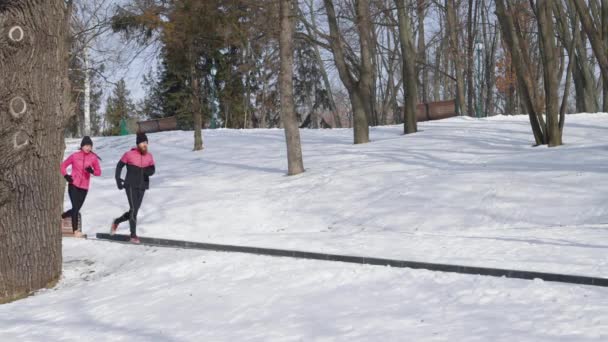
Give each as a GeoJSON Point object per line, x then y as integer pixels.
{"type": "Point", "coordinates": [34, 109]}
{"type": "Point", "coordinates": [295, 164]}
{"type": "Point", "coordinates": [366, 79]}
{"type": "Point", "coordinates": [452, 28]}
{"type": "Point", "coordinates": [549, 58]}
{"type": "Point", "coordinates": [408, 58]}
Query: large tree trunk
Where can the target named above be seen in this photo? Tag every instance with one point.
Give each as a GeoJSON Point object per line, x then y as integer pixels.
{"type": "Point", "coordinates": [408, 57]}
{"type": "Point", "coordinates": [360, 126]}
{"type": "Point", "coordinates": [34, 108]}
{"type": "Point", "coordinates": [452, 29]}
{"type": "Point", "coordinates": [366, 76]}
{"type": "Point", "coordinates": [551, 83]}
{"type": "Point", "coordinates": [295, 164]}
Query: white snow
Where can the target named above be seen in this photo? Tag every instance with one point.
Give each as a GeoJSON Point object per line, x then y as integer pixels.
{"type": "Point", "coordinates": [465, 191]}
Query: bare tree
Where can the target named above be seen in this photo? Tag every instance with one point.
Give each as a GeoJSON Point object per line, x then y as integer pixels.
{"type": "Point", "coordinates": [578, 67]}
{"type": "Point", "coordinates": [587, 98]}
{"type": "Point", "coordinates": [471, 24]}
{"type": "Point", "coordinates": [90, 20]}
{"type": "Point", "coordinates": [34, 108]}
{"type": "Point", "coordinates": [423, 70]}
{"type": "Point", "coordinates": [288, 116]}
{"type": "Point", "coordinates": [595, 29]}
{"type": "Point", "coordinates": [452, 28]}
{"type": "Point", "coordinates": [197, 111]}
{"type": "Point", "coordinates": [518, 50]}
{"type": "Point", "coordinates": [312, 29]}
{"type": "Point", "coordinates": [408, 58]}
{"type": "Point", "coordinates": [359, 88]}
{"type": "Point", "coordinates": [490, 33]}
{"type": "Point", "coordinates": [549, 57]}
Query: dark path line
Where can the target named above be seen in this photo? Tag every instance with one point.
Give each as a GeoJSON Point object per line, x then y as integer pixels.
{"type": "Point", "coordinates": [493, 272]}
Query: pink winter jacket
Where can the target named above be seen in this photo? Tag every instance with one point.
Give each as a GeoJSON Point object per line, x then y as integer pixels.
{"type": "Point", "coordinates": [80, 161]}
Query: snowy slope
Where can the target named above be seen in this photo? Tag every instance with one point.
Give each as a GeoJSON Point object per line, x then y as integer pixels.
{"type": "Point", "coordinates": [461, 191]}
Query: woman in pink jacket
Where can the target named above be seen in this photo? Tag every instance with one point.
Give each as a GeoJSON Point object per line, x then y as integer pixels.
{"type": "Point", "coordinates": [84, 164]}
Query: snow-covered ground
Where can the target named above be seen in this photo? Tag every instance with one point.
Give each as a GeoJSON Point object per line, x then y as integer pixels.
{"type": "Point", "coordinates": [464, 191]}
{"type": "Point", "coordinates": [113, 292]}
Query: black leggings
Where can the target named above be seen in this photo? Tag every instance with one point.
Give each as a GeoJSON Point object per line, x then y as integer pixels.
{"type": "Point", "coordinates": [77, 197]}
{"type": "Point", "coordinates": [135, 197]}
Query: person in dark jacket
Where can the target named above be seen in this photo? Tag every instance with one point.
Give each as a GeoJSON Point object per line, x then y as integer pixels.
{"type": "Point", "coordinates": [84, 163]}
{"type": "Point", "coordinates": [140, 166]}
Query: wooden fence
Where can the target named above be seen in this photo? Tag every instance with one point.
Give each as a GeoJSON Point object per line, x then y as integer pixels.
{"type": "Point", "coordinates": [436, 110]}
{"type": "Point", "coordinates": [157, 125]}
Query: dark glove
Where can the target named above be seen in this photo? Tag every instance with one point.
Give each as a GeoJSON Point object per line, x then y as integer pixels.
{"type": "Point", "coordinates": [120, 184]}
{"type": "Point", "coordinates": [90, 170]}
{"type": "Point", "coordinates": [68, 178]}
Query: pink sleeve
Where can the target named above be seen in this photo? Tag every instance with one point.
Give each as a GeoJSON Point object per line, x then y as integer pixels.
{"type": "Point", "coordinates": [96, 168]}
{"type": "Point", "coordinates": [65, 165]}
{"type": "Point", "coordinates": [124, 158]}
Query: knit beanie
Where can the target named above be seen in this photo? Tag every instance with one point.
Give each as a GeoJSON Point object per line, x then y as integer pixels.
{"type": "Point", "coordinates": [141, 137]}
{"type": "Point", "coordinates": [86, 141]}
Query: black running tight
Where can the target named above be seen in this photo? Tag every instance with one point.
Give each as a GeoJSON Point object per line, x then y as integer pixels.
{"type": "Point", "coordinates": [77, 197]}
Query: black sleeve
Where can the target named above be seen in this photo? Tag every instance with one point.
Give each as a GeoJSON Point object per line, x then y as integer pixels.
{"type": "Point", "coordinates": [119, 167]}
{"type": "Point", "coordinates": [149, 171]}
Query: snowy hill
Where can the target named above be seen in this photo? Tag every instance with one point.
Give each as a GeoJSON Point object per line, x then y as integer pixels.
{"type": "Point", "coordinates": [463, 191]}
